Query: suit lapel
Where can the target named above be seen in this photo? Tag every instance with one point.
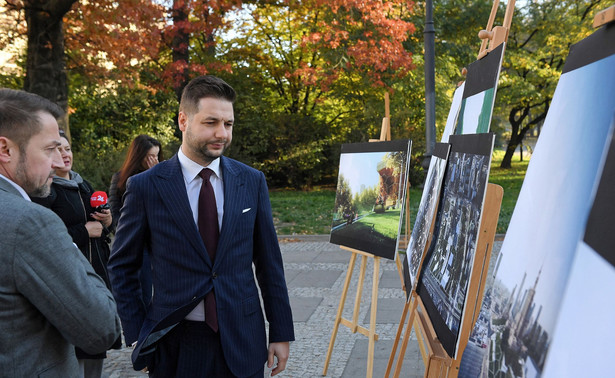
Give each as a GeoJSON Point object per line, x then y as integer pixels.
{"type": "Point", "coordinates": [169, 182]}
{"type": "Point", "coordinates": [233, 183]}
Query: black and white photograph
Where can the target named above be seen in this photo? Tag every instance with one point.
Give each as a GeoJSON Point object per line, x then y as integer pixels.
{"type": "Point", "coordinates": [425, 215]}
{"type": "Point", "coordinates": [447, 267]}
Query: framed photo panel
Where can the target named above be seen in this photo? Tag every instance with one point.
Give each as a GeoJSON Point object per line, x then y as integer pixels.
{"type": "Point", "coordinates": [479, 93]}
{"type": "Point", "coordinates": [425, 216]}
{"type": "Point", "coordinates": [453, 112]}
{"type": "Point", "coordinates": [448, 265]}
{"type": "Point", "coordinates": [585, 314]}
{"type": "Point", "coordinates": [517, 324]}
{"type": "Point", "coordinates": [370, 196]}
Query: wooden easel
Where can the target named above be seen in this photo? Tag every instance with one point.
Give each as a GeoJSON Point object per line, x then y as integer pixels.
{"type": "Point", "coordinates": [498, 34]}
{"type": "Point", "coordinates": [604, 17]}
{"type": "Point", "coordinates": [385, 135]}
{"type": "Point", "coordinates": [437, 362]}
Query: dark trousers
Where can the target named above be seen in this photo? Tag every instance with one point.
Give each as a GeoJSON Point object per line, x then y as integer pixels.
{"type": "Point", "coordinates": [191, 349]}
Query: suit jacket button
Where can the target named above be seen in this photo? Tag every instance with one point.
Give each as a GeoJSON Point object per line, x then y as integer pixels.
{"type": "Point", "coordinates": [215, 275]}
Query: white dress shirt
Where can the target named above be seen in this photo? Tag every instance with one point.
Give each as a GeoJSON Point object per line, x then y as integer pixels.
{"type": "Point", "coordinates": [193, 181]}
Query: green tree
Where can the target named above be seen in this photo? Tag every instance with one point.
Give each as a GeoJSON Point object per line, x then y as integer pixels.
{"type": "Point", "coordinates": [539, 41]}
{"type": "Point", "coordinates": [308, 74]}
{"type": "Point", "coordinates": [106, 120]}
{"type": "Point", "coordinates": [344, 205]}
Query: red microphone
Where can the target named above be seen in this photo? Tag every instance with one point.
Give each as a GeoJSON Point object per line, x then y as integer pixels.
{"type": "Point", "coordinates": [98, 201]}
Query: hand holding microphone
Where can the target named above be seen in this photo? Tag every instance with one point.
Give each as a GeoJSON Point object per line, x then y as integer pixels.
{"type": "Point", "coordinates": [98, 201]}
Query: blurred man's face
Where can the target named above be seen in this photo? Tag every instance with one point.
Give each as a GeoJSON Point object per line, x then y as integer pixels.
{"type": "Point", "coordinates": [39, 159]}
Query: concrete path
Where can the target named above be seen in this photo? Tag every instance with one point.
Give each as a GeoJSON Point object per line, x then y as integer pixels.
{"type": "Point", "coordinates": [315, 274]}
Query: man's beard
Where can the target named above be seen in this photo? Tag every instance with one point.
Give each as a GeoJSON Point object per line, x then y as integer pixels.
{"type": "Point", "coordinates": [27, 184]}
{"type": "Point", "coordinates": [206, 155]}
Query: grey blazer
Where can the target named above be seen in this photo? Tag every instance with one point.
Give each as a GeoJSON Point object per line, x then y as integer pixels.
{"type": "Point", "coordinates": [50, 296]}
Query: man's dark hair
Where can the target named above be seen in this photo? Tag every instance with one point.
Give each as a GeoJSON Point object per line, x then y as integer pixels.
{"type": "Point", "coordinates": [19, 114]}
{"type": "Point", "coordinates": [203, 87]}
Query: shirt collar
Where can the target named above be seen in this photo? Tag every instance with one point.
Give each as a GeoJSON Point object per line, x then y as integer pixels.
{"type": "Point", "coordinates": [191, 169]}
{"type": "Point", "coordinates": [19, 188]}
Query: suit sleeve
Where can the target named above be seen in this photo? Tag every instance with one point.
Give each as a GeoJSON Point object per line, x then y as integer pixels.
{"type": "Point", "coordinates": [270, 270]}
{"type": "Point", "coordinates": [115, 199]}
{"type": "Point", "coordinates": [126, 260]}
{"type": "Point", "coordinates": [55, 277]}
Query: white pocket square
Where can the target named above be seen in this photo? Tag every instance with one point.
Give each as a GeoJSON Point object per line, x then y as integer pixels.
{"type": "Point", "coordinates": [246, 210]}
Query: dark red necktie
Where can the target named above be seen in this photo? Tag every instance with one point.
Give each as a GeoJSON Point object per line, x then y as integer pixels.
{"type": "Point", "coordinates": [208, 228]}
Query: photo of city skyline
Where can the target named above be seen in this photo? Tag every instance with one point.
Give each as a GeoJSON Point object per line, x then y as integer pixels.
{"type": "Point", "coordinates": [448, 265]}
{"type": "Point", "coordinates": [520, 311]}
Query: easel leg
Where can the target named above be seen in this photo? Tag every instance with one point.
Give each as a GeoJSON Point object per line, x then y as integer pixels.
{"type": "Point", "coordinates": [400, 270]}
{"type": "Point", "coordinates": [400, 328]}
{"type": "Point", "coordinates": [357, 299]}
{"type": "Point", "coordinates": [340, 309]}
{"type": "Point", "coordinates": [404, 344]}
{"type": "Point", "coordinates": [372, 320]}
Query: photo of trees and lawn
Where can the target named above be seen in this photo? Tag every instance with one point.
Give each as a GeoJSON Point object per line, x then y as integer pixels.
{"type": "Point", "coordinates": [369, 200]}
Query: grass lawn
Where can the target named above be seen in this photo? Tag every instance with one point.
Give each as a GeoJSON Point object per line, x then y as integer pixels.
{"type": "Point", "coordinates": [310, 212]}
{"type": "Point", "coordinates": [382, 228]}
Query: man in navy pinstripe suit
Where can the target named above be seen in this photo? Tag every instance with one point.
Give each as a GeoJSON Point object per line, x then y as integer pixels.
{"type": "Point", "coordinates": [171, 336]}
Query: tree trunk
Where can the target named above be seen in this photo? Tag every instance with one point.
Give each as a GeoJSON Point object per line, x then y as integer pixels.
{"type": "Point", "coordinates": [180, 52]}
{"type": "Point", "coordinates": [518, 132]}
{"type": "Point", "coordinates": [510, 151]}
{"type": "Point", "coordinates": [45, 64]}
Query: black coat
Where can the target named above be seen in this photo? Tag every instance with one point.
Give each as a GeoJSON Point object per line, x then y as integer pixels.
{"type": "Point", "coordinates": [72, 204]}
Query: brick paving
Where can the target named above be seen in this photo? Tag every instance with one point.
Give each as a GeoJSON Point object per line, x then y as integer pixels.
{"type": "Point", "coordinates": [315, 274]}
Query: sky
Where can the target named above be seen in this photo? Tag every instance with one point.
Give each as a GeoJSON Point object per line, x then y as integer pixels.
{"type": "Point", "coordinates": [360, 169]}
{"type": "Point", "coordinates": [554, 202]}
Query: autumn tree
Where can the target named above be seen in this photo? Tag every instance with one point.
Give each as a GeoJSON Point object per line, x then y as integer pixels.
{"type": "Point", "coordinates": [191, 37]}
{"type": "Point", "coordinates": [306, 70]}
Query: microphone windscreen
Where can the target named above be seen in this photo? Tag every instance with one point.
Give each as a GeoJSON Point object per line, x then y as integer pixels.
{"type": "Point", "coordinates": [98, 199]}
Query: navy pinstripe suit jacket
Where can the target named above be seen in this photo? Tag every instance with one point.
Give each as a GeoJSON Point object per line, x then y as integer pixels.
{"type": "Point", "coordinates": [156, 214]}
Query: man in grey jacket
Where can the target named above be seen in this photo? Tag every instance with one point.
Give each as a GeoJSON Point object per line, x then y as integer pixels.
{"type": "Point", "coordinates": [50, 296]}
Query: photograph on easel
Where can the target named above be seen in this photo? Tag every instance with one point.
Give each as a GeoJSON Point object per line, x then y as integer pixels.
{"type": "Point", "coordinates": [591, 280]}
{"type": "Point", "coordinates": [453, 112]}
{"type": "Point", "coordinates": [520, 311]}
{"type": "Point", "coordinates": [370, 196]}
{"type": "Point", "coordinates": [479, 93]}
{"type": "Point", "coordinates": [425, 215]}
{"type": "Point", "coordinates": [448, 264]}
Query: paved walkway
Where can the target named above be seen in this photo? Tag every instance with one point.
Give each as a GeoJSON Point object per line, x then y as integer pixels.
{"type": "Point", "coordinates": [315, 274]}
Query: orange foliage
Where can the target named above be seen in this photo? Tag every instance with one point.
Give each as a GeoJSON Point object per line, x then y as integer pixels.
{"type": "Point", "coordinates": [377, 50]}
{"type": "Point", "coordinates": [107, 39]}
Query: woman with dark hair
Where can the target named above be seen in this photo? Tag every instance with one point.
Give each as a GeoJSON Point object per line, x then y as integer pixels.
{"type": "Point", "coordinates": [144, 152]}
{"type": "Point", "coordinates": [89, 228]}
